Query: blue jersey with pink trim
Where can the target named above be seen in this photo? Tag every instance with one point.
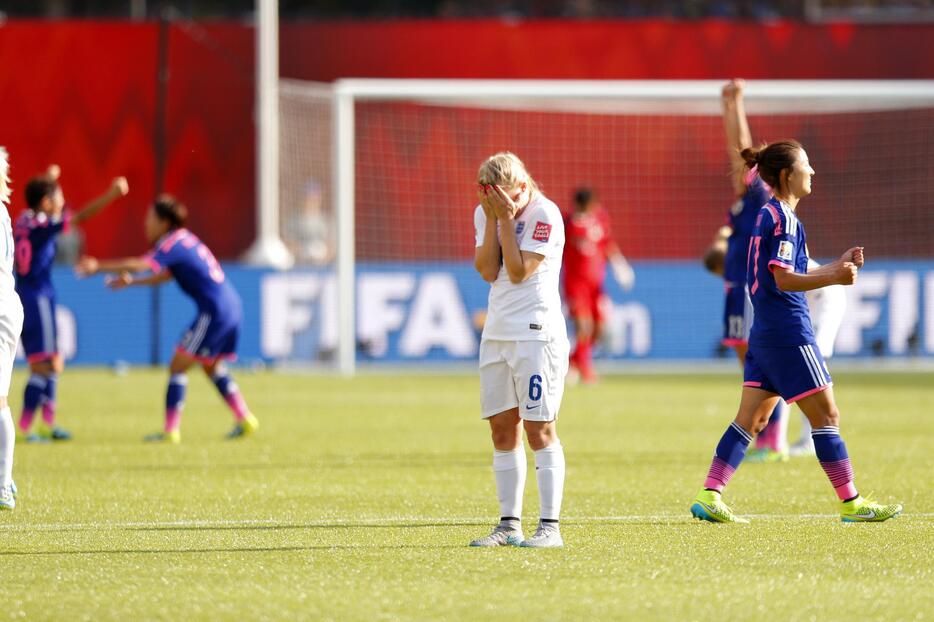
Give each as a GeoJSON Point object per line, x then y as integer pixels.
{"type": "Point", "coordinates": [35, 234]}
{"type": "Point", "coordinates": [197, 272]}
{"type": "Point", "coordinates": [741, 219]}
{"type": "Point", "coordinates": [778, 243]}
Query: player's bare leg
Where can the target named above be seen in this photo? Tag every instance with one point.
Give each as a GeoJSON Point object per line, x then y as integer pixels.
{"type": "Point", "coordinates": [549, 471]}
{"type": "Point", "coordinates": [804, 446]}
{"type": "Point", "coordinates": [509, 471]}
{"type": "Point", "coordinates": [771, 445]}
{"type": "Point", "coordinates": [244, 421]}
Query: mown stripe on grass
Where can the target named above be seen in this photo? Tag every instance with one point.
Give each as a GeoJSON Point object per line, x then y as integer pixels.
{"type": "Point", "coordinates": [390, 521]}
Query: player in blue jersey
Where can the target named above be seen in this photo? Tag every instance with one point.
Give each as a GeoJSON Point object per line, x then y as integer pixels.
{"type": "Point", "coordinates": [782, 359]}
{"type": "Point", "coordinates": [36, 231]}
{"type": "Point", "coordinates": [212, 337]}
{"type": "Point", "coordinates": [727, 257]}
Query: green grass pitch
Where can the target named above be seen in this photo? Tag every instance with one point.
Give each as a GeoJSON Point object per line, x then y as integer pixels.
{"type": "Point", "coordinates": [357, 498]}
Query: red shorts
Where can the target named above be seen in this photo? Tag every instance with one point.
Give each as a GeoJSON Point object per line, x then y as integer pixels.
{"type": "Point", "coordinates": [586, 300]}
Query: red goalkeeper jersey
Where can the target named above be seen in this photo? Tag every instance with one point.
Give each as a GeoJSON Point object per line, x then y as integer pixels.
{"type": "Point", "coordinates": [585, 249]}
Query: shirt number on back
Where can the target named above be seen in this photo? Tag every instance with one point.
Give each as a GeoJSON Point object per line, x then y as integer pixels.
{"type": "Point", "coordinates": [214, 268]}
{"type": "Point", "coordinates": [737, 327]}
{"type": "Point", "coordinates": [23, 256]}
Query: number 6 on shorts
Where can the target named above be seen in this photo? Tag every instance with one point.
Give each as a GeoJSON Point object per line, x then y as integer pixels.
{"type": "Point", "coordinates": [535, 388]}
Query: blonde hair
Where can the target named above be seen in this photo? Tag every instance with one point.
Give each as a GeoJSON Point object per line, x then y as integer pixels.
{"type": "Point", "coordinates": [4, 176]}
{"type": "Point", "coordinates": [505, 169]}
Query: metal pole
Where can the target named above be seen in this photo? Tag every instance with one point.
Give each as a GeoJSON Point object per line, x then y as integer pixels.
{"type": "Point", "coordinates": [268, 249]}
{"type": "Point", "coordinates": [343, 158]}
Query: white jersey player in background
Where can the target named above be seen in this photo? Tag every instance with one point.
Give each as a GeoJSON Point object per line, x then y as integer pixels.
{"type": "Point", "coordinates": [11, 325]}
{"type": "Point", "coordinates": [827, 307]}
{"type": "Point", "coordinates": [524, 347]}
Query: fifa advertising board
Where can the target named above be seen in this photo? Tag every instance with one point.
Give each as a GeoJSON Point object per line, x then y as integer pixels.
{"type": "Point", "coordinates": [433, 313]}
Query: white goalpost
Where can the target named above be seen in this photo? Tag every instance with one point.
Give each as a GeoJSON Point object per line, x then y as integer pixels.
{"type": "Point", "coordinates": [394, 160]}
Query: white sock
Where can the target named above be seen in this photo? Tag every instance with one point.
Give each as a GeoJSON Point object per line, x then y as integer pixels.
{"type": "Point", "coordinates": [7, 440]}
{"type": "Point", "coordinates": [805, 430]}
{"type": "Point", "coordinates": [549, 470]}
{"type": "Point", "coordinates": [509, 469]}
{"type": "Point", "coordinates": [782, 440]}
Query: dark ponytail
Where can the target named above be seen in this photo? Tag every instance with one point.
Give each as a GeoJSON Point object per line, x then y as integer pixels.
{"type": "Point", "coordinates": [750, 156]}
{"type": "Point", "coordinates": [169, 209]}
{"type": "Point", "coordinates": [771, 160]}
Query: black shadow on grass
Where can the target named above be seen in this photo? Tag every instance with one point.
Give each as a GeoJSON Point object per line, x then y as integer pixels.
{"type": "Point", "coordinates": [272, 466]}
{"type": "Point", "coordinates": [245, 549]}
{"type": "Point", "coordinates": [604, 460]}
{"type": "Point", "coordinates": [307, 526]}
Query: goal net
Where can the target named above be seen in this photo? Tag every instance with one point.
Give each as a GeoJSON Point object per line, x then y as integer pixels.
{"type": "Point", "coordinates": [378, 191]}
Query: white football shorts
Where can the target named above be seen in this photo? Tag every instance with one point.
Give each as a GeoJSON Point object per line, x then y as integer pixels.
{"type": "Point", "coordinates": [528, 375]}
{"type": "Point", "coordinates": [11, 325]}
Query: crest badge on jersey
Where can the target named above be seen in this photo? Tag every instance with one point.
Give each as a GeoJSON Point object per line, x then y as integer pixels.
{"type": "Point", "coordinates": [520, 227]}
{"type": "Point", "coordinates": [542, 232]}
{"type": "Point", "coordinates": [786, 250]}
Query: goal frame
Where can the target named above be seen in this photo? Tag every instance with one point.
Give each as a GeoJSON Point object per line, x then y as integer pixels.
{"type": "Point", "coordinates": [346, 92]}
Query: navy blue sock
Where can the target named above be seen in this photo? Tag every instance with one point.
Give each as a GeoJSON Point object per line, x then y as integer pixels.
{"type": "Point", "coordinates": [730, 452]}
{"type": "Point", "coordinates": [32, 397]}
{"type": "Point", "coordinates": [174, 401]}
{"type": "Point", "coordinates": [48, 402]}
{"type": "Point", "coordinates": [834, 459]}
{"type": "Point", "coordinates": [224, 383]}
{"type": "Point", "coordinates": [35, 388]}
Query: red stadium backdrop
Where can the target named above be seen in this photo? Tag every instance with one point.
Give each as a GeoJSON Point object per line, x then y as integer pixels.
{"type": "Point", "coordinates": [84, 95]}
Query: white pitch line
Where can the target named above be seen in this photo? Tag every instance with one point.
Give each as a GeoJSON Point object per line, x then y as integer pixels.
{"type": "Point", "coordinates": [388, 521]}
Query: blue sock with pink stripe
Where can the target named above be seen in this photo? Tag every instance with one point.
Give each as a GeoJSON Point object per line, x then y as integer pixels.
{"type": "Point", "coordinates": [32, 397]}
{"type": "Point", "coordinates": [730, 452]}
{"type": "Point", "coordinates": [48, 402]}
{"type": "Point", "coordinates": [831, 451]}
{"type": "Point", "coordinates": [174, 401]}
{"type": "Point", "coordinates": [231, 394]}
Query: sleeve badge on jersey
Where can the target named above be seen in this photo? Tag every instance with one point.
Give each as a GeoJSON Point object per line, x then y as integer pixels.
{"type": "Point", "coordinates": [542, 232]}
{"type": "Point", "coordinates": [786, 250]}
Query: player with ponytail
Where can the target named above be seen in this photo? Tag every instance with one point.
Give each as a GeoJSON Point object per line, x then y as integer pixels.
{"type": "Point", "coordinates": [783, 359]}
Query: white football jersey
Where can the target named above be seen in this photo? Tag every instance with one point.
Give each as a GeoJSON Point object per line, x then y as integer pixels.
{"type": "Point", "coordinates": [530, 310]}
{"type": "Point", "coordinates": [11, 310]}
{"type": "Point", "coordinates": [7, 284]}
{"type": "Point", "coordinates": [827, 306]}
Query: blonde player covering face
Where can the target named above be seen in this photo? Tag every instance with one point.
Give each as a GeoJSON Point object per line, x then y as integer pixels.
{"type": "Point", "coordinates": [11, 325]}
{"type": "Point", "coordinates": [524, 348]}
